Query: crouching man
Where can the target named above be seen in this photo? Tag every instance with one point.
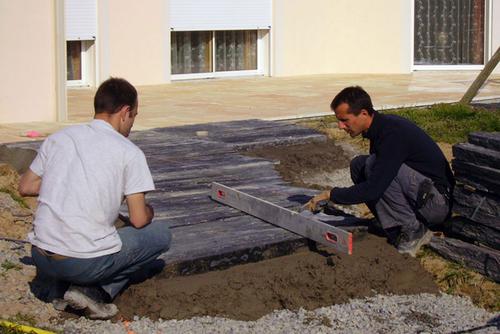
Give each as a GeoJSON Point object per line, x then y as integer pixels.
{"type": "Point", "coordinates": [405, 180]}
{"type": "Point", "coordinates": [82, 174]}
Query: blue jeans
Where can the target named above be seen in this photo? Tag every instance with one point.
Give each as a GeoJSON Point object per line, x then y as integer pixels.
{"type": "Point", "coordinates": [110, 272]}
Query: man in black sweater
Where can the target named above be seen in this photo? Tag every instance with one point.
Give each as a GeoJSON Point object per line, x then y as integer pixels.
{"type": "Point", "coordinates": [405, 181]}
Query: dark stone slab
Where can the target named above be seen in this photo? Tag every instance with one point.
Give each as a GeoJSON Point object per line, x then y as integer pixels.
{"type": "Point", "coordinates": [477, 155]}
{"type": "Point", "coordinates": [486, 186]}
{"type": "Point", "coordinates": [473, 232]}
{"type": "Point", "coordinates": [489, 140]}
{"type": "Point", "coordinates": [464, 168]}
{"type": "Point", "coordinates": [223, 235]}
{"type": "Point", "coordinates": [475, 184]}
{"type": "Point", "coordinates": [487, 204]}
{"type": "Point", "coordinates": [481, 259]}
{"type": "Point", "coordinates": [487, 177]}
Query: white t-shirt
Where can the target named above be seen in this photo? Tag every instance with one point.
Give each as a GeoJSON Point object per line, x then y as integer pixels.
{"type": "Point", "coordinates": [86, 170]}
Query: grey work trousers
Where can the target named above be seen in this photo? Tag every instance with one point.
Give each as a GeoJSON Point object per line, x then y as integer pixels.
{"type": "Point", "coordinates": [110, 272]}
{"type": "Point", "coordinates": [398, 205]}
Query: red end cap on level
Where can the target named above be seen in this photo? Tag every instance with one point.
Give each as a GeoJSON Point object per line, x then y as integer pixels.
{"type": "Point", "coordinates": [349, 244]}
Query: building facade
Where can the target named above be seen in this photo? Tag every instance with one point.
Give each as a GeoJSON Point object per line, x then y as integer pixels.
{"type": "Point", "coordinates": [49, 45]}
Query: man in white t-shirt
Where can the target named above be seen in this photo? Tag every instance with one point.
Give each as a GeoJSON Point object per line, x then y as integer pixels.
{"type": "Point", "coordinates": [82, 174]}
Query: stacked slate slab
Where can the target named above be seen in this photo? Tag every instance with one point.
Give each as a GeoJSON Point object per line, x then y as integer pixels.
{"type": "Point", "coordinates": [475, 228]}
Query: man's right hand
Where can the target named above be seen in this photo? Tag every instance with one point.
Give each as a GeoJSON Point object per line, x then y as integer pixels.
{"type": "Point", "coordinates": [312, 205]}
{"type": "Point", "coordinates": [151, 210]}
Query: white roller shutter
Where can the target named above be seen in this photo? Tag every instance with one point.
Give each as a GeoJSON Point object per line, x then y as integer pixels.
{"type": "Point", "coordinates": [80, 18]}
{"type": "Point", "coordinates": [189, 15]}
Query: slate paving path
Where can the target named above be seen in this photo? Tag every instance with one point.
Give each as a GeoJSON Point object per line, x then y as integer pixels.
{"type": "Point", "coordinates": [184, 162]}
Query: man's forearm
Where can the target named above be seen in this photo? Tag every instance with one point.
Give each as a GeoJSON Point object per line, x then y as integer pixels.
{"type": "Point", "coordinates": [140, 212]}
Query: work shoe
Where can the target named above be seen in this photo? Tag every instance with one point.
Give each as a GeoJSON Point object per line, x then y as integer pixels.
{"type": "Point", "coordinates": [91, 301]}
{"type": "Point", "coordinates": [410, 242]}
{"type": "Point", "coordinates": [59, 304]}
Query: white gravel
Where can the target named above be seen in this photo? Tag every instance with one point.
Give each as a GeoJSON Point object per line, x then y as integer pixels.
{"type": "Point", "coordinates": [423, 313]}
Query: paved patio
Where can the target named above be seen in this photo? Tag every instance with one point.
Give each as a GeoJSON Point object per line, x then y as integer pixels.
{"type": "Point", "coordinates": [218, 100]}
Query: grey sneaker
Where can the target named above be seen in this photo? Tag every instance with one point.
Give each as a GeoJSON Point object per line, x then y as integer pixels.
{"type": "Point", "coordinates": [90, 300]}
{"type": "Point", "coordinates": [59, 304]}
{"type": "Point", "coordinates": [410, 242]}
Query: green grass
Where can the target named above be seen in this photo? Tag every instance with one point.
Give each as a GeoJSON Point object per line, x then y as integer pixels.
{"type": "Point", "coordinates": [8, 265]}
{"type": "Point", "coordinates": [455, 275]}
{"type": "Point", "coordinates": [451, 123]}
{"type": "Point", "coordinates": [15, 197]}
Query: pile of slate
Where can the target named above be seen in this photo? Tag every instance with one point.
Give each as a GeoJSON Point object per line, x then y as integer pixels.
{"type": "Point", "coordinates": [473, 234]}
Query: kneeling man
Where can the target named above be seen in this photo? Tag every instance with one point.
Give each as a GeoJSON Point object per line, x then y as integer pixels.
{"type": "Point", "coordinates": [405, 180]}
{"type": "Point", "coordinates": [82, 175]}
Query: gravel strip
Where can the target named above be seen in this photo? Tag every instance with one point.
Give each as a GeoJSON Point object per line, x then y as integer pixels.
{"type": "Point", "coordinates": [423, 313]}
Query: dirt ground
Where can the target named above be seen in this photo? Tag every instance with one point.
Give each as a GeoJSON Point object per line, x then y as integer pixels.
{"type": "Point", "coordinates": [305, 279]}
{"type": "Point", "coordinates": [304, 164]}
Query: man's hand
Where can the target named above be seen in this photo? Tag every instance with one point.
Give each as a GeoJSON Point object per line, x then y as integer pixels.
{"type": "Point", "coordinates": [150, 209]}
{"type": "Point", "coordinates": [313, 203]}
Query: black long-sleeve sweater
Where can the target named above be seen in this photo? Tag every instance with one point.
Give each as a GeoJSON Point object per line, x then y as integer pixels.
{"type": "Point", "coordinates": [395, 140]}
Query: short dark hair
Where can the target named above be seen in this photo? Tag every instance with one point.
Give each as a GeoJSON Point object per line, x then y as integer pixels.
{"type": "Point", "coordinates": [113, 94]}
{"type": "Point", "coordinates": [357, 99]}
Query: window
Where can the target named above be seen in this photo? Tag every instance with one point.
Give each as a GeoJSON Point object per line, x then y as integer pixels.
{"type": "Point", "coordinates": [74, 60]}
{"type": "Point", "coordinates": [214, 53]}
{"type": "Point", "coordinates": [449, 32]}
{"type": "Point", "coordinates": [80, 63]}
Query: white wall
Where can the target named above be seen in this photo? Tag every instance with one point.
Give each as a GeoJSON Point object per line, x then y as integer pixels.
{"type": "Point", "coordinates": [133, 41]}
{"type": "Point", "coordinates": [341, 36]}
{"type": "Point", "coordinates": [27, 61]}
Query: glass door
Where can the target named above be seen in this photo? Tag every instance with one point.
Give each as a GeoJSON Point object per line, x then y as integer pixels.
{"type": "Point", "coordinates": [449, 32]}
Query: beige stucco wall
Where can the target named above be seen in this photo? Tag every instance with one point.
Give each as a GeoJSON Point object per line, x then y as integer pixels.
{"type": "Point", "coordinates": [27, 61]}
{"type": "Point", "coordinates": [341, 36]}
{"type": "Point", "coordinates": [133, 41]}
